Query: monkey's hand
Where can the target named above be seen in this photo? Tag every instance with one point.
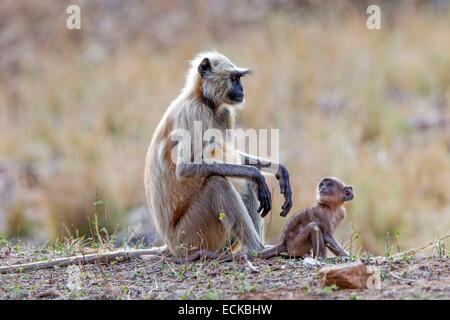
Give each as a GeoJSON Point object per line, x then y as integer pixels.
{"type": "Point", "coordinates": [263, 194]}
{"type": "Point", "coordinates": [283, 178]}
{"type": "Point", "coordinates": [334, 246]}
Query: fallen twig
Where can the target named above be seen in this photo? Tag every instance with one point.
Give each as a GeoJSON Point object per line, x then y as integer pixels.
{"type": "Point", "coordinates": [417, 250]}
{"type": "Point", "coordinates": [401, 278]}
{"type": "Point", "coordinates": [80, 259]}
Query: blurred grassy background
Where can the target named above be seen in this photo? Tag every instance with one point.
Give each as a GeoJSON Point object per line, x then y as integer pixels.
{"type": "Point", "coordinates": [78, 108]}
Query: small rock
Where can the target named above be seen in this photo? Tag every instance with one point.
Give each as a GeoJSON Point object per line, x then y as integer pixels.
{"type": "Point", "coordinates": [354, 275]}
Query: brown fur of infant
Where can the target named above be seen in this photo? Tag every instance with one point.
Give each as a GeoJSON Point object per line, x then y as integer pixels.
{"type": "Point", "coordinates": [312, 228]}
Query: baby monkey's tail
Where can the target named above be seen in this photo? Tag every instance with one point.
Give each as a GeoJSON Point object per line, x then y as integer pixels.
{"type": "Point", "coordinates": [273, 251]}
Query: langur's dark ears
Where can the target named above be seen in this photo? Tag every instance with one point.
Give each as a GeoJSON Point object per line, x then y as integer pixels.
{"type": "Point", "coordinates": [204, 67]}
{"type": "Point", "coordinates": [245, 72]}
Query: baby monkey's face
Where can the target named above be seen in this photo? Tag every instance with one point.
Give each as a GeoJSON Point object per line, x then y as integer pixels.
{"type": "Point", "coordinates": [332, 190]}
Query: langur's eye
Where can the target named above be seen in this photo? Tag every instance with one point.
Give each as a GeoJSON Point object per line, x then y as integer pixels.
{"type": "Point", "coordinates": [233, 77]}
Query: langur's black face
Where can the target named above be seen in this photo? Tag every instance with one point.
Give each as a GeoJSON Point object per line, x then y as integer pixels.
{"type": "Point", "coordinates": [221, 81]}
{"type": "Point", "coordinates": [236, 91]}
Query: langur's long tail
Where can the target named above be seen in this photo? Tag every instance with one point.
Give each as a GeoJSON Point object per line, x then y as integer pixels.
{"type": "Point", "coordinates": [271, 252]}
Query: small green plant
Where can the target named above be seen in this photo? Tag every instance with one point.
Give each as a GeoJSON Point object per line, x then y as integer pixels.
{"type": "Point", "coordinates": [406, 257]}
{"type": "Point", "coordinates": [329, 289]}
{"type": "Point", "coordinates": [3, 241]}
{"type": "Point", "coordinates": [366, 256]}
{"type": "Point", "coordinates": [353, 237]}
{"type": "Point", "coordinates": [416, 296]}
{"type": "Point", "coordinates": [440, 248]}
{"type": "Point", "coordinates": [253, 253]}
{"type": "Point", "coordinates": [388, 246]}
{"type": "Point", "coordinates": [397, 235]}
{"type": "Point", "coordinates": [305, 289]}
{"type": "Point", "coordinates": [99, 203]}
{"type": "Point", "coordinates": [212, 295]}
{"type": "Point", "coordinates": [353, 296]}
{"type": "Point", "coordinates": [385, 275]}
{"type": "Point", "coordinates": [246, 286]}
{"type": "Point", "coordinates": [186, 296]}
{"type": "Point", "coordinates": [17, 249]}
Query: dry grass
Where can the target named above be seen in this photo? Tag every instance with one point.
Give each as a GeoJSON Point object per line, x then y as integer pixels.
{"type": "Point", "coordinates": [406, 276]}
{"type": "Point", "coordinates": [82, 108]}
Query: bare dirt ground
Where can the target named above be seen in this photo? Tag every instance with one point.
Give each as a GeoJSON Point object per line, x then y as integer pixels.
{"type": "Point", "coordinates": [403, 277]}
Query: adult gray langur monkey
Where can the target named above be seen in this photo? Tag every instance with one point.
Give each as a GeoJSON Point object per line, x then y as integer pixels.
{"type": "Point", "coordinates": [209, 206]}
{"type": "Point", "coordinates": [200, 208]}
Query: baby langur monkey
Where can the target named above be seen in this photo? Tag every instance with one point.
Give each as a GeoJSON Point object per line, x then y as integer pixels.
{"type": "Point", "coordinates": [312, 228]}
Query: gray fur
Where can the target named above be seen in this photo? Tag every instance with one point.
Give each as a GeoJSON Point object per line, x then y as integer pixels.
{"type": "Point", "coordinates": [202, 206]}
